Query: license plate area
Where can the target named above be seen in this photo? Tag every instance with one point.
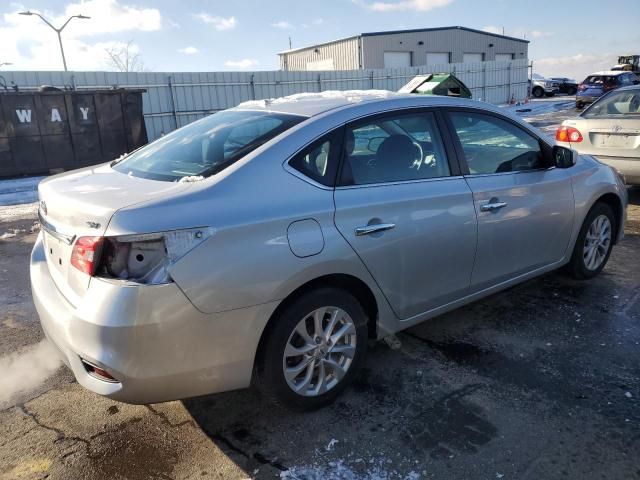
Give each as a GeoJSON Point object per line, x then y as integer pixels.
{"type": "Point", "coordinates": [57, 253]}
{"type": "Point", "coordinates": [613, 140]}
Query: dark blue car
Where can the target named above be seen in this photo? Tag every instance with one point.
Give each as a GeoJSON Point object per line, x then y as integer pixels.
{"type": "Point", "coordinates": [599, 83]}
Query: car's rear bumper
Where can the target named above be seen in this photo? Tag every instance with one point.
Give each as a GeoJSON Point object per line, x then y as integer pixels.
{"type": "Point", "coordinates": [587, 98]}
{"type": "Point", "coordinates": [151, 339]}
{"type": "Point", "coordinates": [629, 167]}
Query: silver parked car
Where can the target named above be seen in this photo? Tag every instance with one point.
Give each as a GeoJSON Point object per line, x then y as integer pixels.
{"type": "Point", "coordinates": [609, 129]}
{"type": "Point", "coordinates": [267, 243]}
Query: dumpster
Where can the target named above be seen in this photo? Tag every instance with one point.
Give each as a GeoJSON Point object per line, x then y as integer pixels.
{"type": "Point", "coordinates": [445, 84]}
{"type": "Point", "coordinates": [52, 130]}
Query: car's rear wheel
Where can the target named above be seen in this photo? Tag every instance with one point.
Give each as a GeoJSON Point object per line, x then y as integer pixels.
{"type": "Point", "coordinates": [579, 105]}
{"type": "Point", "coordinates": [312, 349]}
{"type": "Point", "coordinates": [538, 92]}
{"type": "Point", "coordinates": [594, 243]}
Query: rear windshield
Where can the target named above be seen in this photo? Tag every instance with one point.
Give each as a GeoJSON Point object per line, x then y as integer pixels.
{"type": "Point", "coordinates": [600, 79]}
{"type": "Point", "coordinates": [206, 147]}
{"type": "Point", "coordinates": [616, 104]}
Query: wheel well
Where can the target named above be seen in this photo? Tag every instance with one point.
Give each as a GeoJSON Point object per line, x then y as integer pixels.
{"type": "Point", "coordinates": [351, 284]}
{"type": "Point", "coordinates": [613, 201]}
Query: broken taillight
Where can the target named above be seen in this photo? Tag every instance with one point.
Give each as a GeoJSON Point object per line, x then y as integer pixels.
{"type": "Point", "coordinates": [85, 255]}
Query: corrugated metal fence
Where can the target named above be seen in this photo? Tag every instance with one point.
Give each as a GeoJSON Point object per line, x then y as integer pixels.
{"type": "Point", "coordinates": [174, 99]}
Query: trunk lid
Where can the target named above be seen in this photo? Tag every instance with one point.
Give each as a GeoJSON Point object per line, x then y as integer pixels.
{"type": "Point", "coordinates": [81, 203]}
{"type": "Point", "coordinates": [619, 137]}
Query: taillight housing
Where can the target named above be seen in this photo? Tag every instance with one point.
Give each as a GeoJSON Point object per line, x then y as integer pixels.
{"type": "Point", "coordinates": [146, 258]}
{"type": "Point", "coordinates": [85, 255]}
{"type": "Point", "coordinates": [582, 87]}
{"type": "Point", "coordinates": [568, 134]}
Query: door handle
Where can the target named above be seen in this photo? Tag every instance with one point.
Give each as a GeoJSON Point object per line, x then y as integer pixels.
{"type": "Point", "coordinates": [493, 206]}
{"type": "Point", "coordinates": [376, 227]}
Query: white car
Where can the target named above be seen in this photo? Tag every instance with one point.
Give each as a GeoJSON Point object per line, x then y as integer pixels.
{"type": "Point", "coordinates": [608, 130]}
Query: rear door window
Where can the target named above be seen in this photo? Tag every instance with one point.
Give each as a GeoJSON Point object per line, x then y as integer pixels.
{"type": "Point", "coordinates": [393, 148]}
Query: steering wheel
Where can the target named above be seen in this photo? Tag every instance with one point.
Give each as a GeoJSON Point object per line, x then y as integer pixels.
{"type": "Point", "coordinates": [417, 163]}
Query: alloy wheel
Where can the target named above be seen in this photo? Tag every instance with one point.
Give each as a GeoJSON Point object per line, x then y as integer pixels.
{"type": "Point", "coordinates": [319, 351]}
{"type": "Point", "coordinates": [597, 242]}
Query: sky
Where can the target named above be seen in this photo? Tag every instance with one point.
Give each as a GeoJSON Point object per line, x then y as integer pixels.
{"type": "Point", "coordinates": [567, 38]}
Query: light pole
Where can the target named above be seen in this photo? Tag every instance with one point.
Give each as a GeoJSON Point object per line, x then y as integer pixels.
{"type": "Point", "coordinates": [57, 30]}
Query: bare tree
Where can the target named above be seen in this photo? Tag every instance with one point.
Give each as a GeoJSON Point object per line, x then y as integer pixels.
{"type": "Point", "coordinates": [125, 57]}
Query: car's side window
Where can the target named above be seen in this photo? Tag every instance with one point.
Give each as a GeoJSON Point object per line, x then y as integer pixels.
{"type": "Point", "coordinates": [393, 148]}
{"type": "Point", "coordinates": [492, 145]}
{"type": "Point", "coordinates": [319, 161]}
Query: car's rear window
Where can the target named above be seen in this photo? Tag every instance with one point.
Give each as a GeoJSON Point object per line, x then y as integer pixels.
{"type": "Point", "coordinates": [600, 79]}
{"type": "Point", "coordinates": [207, 146]}
{"type": "Point", "coordinates": [619, 103]}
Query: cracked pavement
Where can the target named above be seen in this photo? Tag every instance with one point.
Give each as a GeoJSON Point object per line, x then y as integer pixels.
{"type": "Point", "coordinates": [541, 381]}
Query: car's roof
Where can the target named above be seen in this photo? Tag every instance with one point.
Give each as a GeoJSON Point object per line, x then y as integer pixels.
{"type": "Point", "coordinates": [311, 104]}
{"type": "Point", "coordinates": [608, 72]}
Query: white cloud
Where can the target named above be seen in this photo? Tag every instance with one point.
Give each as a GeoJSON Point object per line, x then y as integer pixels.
{"type": "Point", "coordinates": [244, 63]}
{"type": "Point", "coordinates": [540, 34]}
{"type": "Point", "coordinates": [575, 66]}
{"type": "Point", "coordinates": [518, 32]}
{"type": "Point", "coordinates": [30, 45]}
{"type": "Point", "coordinates": [188, 50]}
{"type": "Point", "coordinates": [492, 29]}
{"type": "Point", "coordinates": [282, 24]}
{"type": "Point", "coordinates": [404, 5]}
{"type": "Point", "coordinates": [219, 23]}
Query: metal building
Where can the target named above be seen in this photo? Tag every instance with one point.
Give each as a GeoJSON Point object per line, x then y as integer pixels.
{"type": "Point", "coordinates": [406, 48]}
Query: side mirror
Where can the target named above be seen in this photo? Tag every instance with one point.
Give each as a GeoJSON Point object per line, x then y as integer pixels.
{"type": "Point", "coordinates": [564, 157]}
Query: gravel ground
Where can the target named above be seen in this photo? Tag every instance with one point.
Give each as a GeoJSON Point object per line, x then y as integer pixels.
{"type": "Point", "coordinates": [538, 382]}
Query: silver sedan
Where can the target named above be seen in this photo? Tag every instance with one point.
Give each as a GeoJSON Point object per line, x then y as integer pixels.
{"type": "Point", "coordinates": [610, 131]}
{"type": "Point", "coordinates": [268, 243]}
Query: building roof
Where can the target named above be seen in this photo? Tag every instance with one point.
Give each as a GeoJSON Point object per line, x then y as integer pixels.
{"type": "Point", "coordinates": [416, 30]}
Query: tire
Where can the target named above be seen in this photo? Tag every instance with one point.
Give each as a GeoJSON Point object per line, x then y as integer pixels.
{"type": "Point", "coordinates": [319, 357]}
{"type": "Point", "coordinates": [571, 91]}
{"type": "Point", "coordinates": [538, 92]}
{"type": "Point", "coordinates": [579, 105]}
{"type": "Point", "coordinates": [582, 265]}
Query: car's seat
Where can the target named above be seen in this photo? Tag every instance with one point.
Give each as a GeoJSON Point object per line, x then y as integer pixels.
{"type": "Point", "coordinates": [394, 159]}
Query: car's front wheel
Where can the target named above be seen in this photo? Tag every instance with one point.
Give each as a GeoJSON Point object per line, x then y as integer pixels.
{"type": "Point", "coordinates": [594, 243]}
{"type": "Point", "coordinates": [537, 92]}
{"type": "Point", "coordinates": [312, 349]}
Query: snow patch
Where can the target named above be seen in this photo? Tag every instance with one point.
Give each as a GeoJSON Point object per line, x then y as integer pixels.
{"type": "Point", "coordinates": [350, 96]}
{"type": "Point", "coordinates": [377, 469]}
{"type": "Point", "coordinates": [191, 179]}
{"type": "Point", "coordinates": [18, 212]}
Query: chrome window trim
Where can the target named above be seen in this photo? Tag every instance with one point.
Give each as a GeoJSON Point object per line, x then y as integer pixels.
{"type": "Point", "coordinates": [402, 182]}
{"type": "Point", "coordinates": [296, 173]}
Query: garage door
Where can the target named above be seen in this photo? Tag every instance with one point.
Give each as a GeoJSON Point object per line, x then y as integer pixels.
{"type": "Point", "coordinates": [471, 57]}
{"type": "Point", "coordinates": [397, 59]}
{"type": "Point", "coordinates": [437, 58]}
{"type": "Point", "coordinates": [504, 57]}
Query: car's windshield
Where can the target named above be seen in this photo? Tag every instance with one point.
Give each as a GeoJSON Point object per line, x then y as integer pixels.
{"type": "Point", "coordinates": [207, 146]}
{"type": "Point", "coordinates": [619, 103]}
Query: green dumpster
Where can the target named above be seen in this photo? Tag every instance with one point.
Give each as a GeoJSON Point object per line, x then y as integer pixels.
{"type": "Point", "coordinates": [444, 84]}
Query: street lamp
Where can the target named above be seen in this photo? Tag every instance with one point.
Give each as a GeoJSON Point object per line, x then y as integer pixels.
{"type": "Point", "coordinates": [57, 30]}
